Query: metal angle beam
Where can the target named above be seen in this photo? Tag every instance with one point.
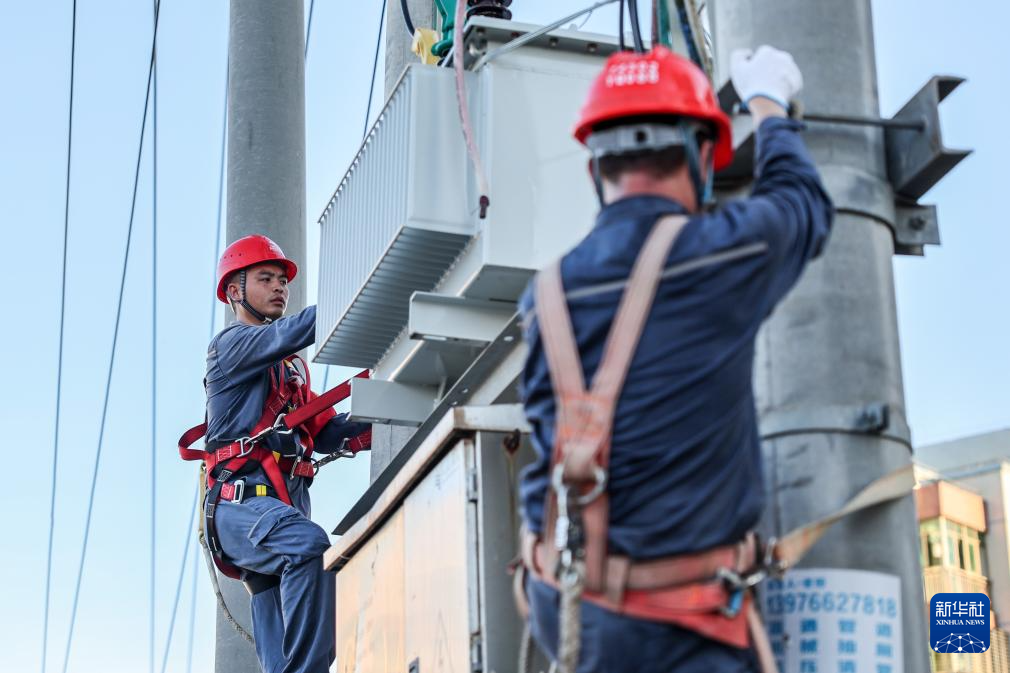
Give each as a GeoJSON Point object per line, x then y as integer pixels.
{"type": "Point", "coordinates": [456, 320]}
{"type": "Point", "coordinates": [388, 402]}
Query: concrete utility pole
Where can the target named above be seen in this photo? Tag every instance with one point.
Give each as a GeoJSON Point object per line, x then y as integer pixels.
{"type": "Point", "coordinates": [828, 360]}
{"type": "Point", "coordinates": [398, 40]}
{"type": "Point", "coordinates": [387, 440]}
{"type": "Point", "coordinates": [266, 189]}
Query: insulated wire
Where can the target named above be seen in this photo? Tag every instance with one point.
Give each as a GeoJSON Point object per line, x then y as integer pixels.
{"type": "Point", "coordinates": [636, 27]}
{"type": "Point", "coordinates": [375, 66]}
{"type": "Point", "coordinates": [154, 344]}
{"type": "Point", "coordinates": [190, 524]}
{"type": "Point", "coordinates": [192, 613]}
{"type": "Point", "coordinates": [308, 29]}
{"type": "Point", "coordinates": [620, 27]}
{"type": "Point", "coordinates": [112, 354]}
{"type": "Point", "coordinates": [59, 365]}
{"type": "Point", "coordinates": [405, 10]}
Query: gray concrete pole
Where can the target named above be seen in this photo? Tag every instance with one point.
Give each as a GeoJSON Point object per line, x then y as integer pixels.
{"type": "Point", "coordinates": [387, 440]}
{"type": "Point", "coordinates": [832, 348]}
{"type": "Point", "coordinates": [398, 53]}
{"type": "Point", "coordinates": [266, 188]}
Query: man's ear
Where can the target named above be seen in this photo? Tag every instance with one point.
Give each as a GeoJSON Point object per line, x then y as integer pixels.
{"type": "Point", "coordinates": [705, 153]}
{"type": "Point", "coordinates": [233, 292]}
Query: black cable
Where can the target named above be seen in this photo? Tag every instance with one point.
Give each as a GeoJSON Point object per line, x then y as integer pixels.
{"type": "Point", "coordinates": [112, 355]}
{"type": "Point", "coordinates": [308, 29]}
{"type": "Point", "coordinates": [154, 347]}
{"type": "Point", "coordinates": [406, 17]}
{"type": "Point", "coordinates": [59, 365]}
{"type": "Point", "coordinates": [620, 26]}
{"type": "Point", "coordinates": [191, 523]}
{"type": "Point", "coordinates": [636, 27]}
{"type": "Point", "coordinates": [375, 66]}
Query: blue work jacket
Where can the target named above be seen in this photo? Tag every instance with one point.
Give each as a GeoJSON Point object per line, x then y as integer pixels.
{"type": "Point", "coordinates": [685, 466]}
{"type": "Point", "coordinates": [239, 360]}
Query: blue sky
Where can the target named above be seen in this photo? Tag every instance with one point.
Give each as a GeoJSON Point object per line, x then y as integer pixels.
{"type": "Point", "coordinates": [952, 309]}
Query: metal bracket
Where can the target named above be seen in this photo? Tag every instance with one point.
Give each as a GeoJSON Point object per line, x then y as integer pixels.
{"type": "Point", "coordinates": [916, 157]}
{"type": "Point", "coordinates": [917, 160]}
{"type": "Point", "coordinates": [456, 320]}
{"type": "Point", "coordinates": [915, 226]}
{"type": "Point", "coordinates": [875, 418]}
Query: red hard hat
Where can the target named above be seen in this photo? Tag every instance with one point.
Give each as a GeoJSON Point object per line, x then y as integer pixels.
{"type": "Point", "coordinates": [659, 82]}
{"type": "Point", "coordinates": [246, 252]}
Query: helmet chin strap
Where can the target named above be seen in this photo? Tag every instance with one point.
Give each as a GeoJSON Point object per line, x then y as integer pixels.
{"type": "Point", "coordinates": [702, 187]}
{"type": "Point", "coordinates": [245, 302]}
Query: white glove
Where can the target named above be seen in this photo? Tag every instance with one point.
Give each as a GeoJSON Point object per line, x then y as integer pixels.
{"type": "Point", "coordinates": [767, 72]}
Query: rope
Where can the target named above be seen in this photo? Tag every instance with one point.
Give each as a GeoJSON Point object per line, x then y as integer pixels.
{"type": "Point", "coordinates": [570, 625]}
{"type": "Point", "coordinates": [464, 110]}
{"type": "Point", "coordinates": [215, 584]}
{"type": "Point", "coordinates": [526, 649]}
{"type": "Point", "coordinates": [112, 355]}
{"type": "Point", "coordinates": [190, 524]}
{"type": "Point", "coordinates": [59, 365]}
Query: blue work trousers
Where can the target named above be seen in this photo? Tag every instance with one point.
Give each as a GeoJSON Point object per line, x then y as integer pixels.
{"type": "Point", "coordinates": [613, 643]}
{"type": "Point", "coordinates": [293, 624]}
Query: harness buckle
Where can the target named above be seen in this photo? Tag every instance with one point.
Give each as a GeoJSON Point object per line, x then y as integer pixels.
{"type": "Point", "coordinates": [737, 585]}
{"type": "Point", "coordinates": [772, 566]}
{"type": "Point", "coordinates": [245, 446]}
{"type": "Point", "coordinates": [239, 485]}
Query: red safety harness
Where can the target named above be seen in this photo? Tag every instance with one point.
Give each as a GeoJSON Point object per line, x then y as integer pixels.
{"type": "Point", "coordinates": [705, 592]}
{"type": "Point", "coordinates": [290, 405]}
{"type": "Point", "coordinates": [708, 592]}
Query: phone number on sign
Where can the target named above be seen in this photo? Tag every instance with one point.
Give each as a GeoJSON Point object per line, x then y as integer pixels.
{"type": "Point", "coordinates": [842, 602]}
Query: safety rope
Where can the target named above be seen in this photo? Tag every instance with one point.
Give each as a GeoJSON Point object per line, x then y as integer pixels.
{"type": "Point", "coordinates": [572, 581]}
{"type": "Point", "coordinates": [212, 570]}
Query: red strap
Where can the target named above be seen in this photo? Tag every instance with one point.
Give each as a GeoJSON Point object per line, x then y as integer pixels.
{"type": "Point", "coordinates": [362, 442]}
{"type": "Point", "coordinates": [323, 402]}
{"type": "Point", "coordinates": [227, 492]}
{"type": "Point", "coordinates": [187, 440]}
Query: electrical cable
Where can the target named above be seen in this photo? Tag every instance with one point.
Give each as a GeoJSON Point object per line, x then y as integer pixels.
{"type": "Point", "coordinates": [59, 365]}
{"type": "Point", "coordinates": [190, 524]}
{"type": "Point", "coordinates": [375, 66]}
{"type": "Point", "coordinates": [464, 110]}
{"type": "Point", "coordinates": [154, 347]}
{"type": "Point", "coordinates": [192, 616]}
{"type": "Point", "coordinates": [620, 27]}
{"type": "Point", "coordinates": [112, 354]}
{"type": "Point", "coordinates": [636, 27]}
{"type": "Point", "coordinates": [405, 10]}
{"type": "Point", "coordinates": [308, 29]}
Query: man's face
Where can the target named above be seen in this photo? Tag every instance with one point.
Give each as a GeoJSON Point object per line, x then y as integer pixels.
{"type": "Point", "coordinates": [266, 288]}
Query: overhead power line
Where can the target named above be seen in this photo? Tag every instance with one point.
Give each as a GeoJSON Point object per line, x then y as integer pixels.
{"type": "Point", "coordinates": [59, 362]}
{"type": "Point", "coordinates": [112, 354]}
{"type": "Point", "coordinates": [154, 348]}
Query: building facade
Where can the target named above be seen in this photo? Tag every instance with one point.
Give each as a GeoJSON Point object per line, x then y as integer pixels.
{"type": "Point", "coordinates": [962, 499]}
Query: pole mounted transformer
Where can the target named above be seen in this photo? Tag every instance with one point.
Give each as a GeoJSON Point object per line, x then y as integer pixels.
{"type": "Point", "coordinates": [266, 190]}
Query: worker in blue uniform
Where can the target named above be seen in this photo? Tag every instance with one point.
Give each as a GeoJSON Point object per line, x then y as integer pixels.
{"type": "Point", "coordinates": [275, 543]}
{"type": "Point", "coordinates": [685, 473]}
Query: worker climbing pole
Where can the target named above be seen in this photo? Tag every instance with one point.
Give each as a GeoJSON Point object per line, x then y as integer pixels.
{"type": "Point", "coordinates": [640, 509]}
{"type": "Point", "coordinates": [263, 424]}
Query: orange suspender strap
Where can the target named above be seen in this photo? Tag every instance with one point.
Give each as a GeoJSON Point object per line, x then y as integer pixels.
{"type": "Point", "coordinates": [585, 418]}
